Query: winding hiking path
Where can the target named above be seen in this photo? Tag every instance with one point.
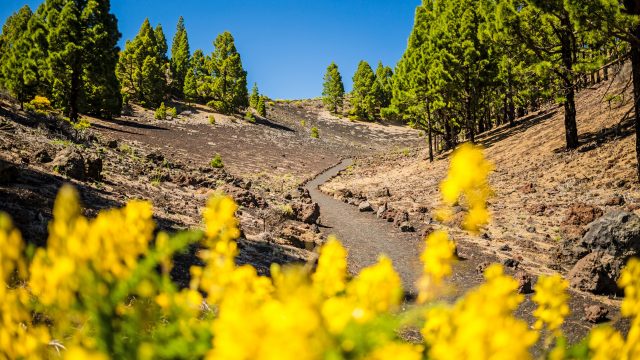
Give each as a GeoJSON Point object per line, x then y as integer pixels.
{"type": "Point", "coordinates": [365, 236]}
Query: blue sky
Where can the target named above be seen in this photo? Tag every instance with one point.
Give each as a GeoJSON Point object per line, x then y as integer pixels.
{"type": "Point", "coordinates": [285, 45]}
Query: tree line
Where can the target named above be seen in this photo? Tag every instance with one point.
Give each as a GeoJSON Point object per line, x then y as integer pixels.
{"type": "Point", "coordinates": [67, 51]}
{"type": "Point", "coordinates": [471, 65]}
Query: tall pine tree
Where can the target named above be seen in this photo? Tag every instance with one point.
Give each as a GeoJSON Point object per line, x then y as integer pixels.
{"type": "Point", "coordinates": [362, 97]}
{"type": "Point", "coordinates": [333, 89]}
{"type": "Point", "coordinates": [16, 74]}
{"type": "Point", "coordinates": [229, 79]}
{"type": "Point", "coordinates": [180, 57]}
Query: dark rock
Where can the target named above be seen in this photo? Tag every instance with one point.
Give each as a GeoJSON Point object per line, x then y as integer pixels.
{"type": "Point", "coordinates": [505, 247]}
{"type": "Point", "coordinates": [486, 236]}
{"type": "Point", "coordinates": [93, 170]}
{"type": "Point", "coordinates": [528, 188]}
{"type": "Point", "coordinates": [70, 162]}
{"type": "Point", "coordinates": [384, 192]}
{"type": "Point", "coordinates": [595, 314]}
{"type": "Point", "coordinates": [42, 156]}
{"type": "Point", "coordinates": [155, 157]}
{"type": "Point", "coordinates": [531, 229]}
{"type": "Point", "coordinates": [617, 234]}
{"type": "Point", "coordinates": [524, 282]}
{"type": "Point", "coordinates": [8, 173]}
{"type": "Point", "coordinates": [112, 144]}
{"type": "Point", "coordinates": [537, 209]}
{"type": "Point", "coordinates": [482, 267]}
{"type": "Point", "coordinates": [365, 206]}
{"type": "Point", "coordinates": [511, 263]}
{"type": "Point", "coordinates": [401, 218]}
{"type": "Point", "coordinates": [407, 227]}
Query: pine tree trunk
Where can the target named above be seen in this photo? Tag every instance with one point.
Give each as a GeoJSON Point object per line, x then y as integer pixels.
{"type": "Point", "coordinates": [429, 131]}
{"type": "Point", "coordinates": [73, 95]}
{"type": "Point", "coordinates": [633, 7]}
{"type": "Point", "coordinates": [571, 128]}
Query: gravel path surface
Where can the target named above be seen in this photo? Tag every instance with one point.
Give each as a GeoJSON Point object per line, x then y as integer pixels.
{"type": "Point", "coordinates": [365, 236]}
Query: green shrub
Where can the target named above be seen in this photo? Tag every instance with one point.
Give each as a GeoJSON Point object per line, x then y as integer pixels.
{"type": "Point", "coordinates": [212, 119]}
{"type": "Point", "coordinates": [216, 162]}
{"type": "Point", "coordinates": [286, 210]}
{"type": "Point", "coordinates": [315, 133]}
{"type": "Point", "coordinates": [303, 123]}
{"type": "Point", "coordinates": [172, 112]}
{"type": "Point", "coordinates": [40, 103]}
{"type": "Point", "coordinates": [249, 117]}
{"type": "Point", "coordinates": [161, 112]}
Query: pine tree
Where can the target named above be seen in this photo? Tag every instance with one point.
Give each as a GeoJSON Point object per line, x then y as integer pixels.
{"type": "Point", "coordinates": [382, 88]}
{"type": "Point", "coordinates": [140, 68]}
{"type": "Point", "coordinates": [255, 96]}
{"type": "Point", "coordinates": [261, 107]}
{"type": "Point", "coordinates": [229, 85]}
{"type": "Point", "coordinates": [16, 74]}
{"type": "Point", "coordinates": [100, 43]}
{"type": "Point", "coordinates": [161, 42]}
{"type": "Point", "coordinates": [190, 88]}
{"type": "Point", "coordinates": [333, 89]}
{"type": "Point", "coordinates": [180, 57]}
{"type": "Point", "coordinates": [362, 97]}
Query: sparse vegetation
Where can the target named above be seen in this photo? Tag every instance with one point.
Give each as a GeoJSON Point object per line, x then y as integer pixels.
{"type": "Point", "coordinates": [249, 117]}
{"type": "Point", "coordinates": [161, 112]}
{"type": "Point", "coordinates": [315, 132]}
{"type": "Point", "coordinates": [216, 162]}
{"type": "Point", "coordinates": [212, 119]}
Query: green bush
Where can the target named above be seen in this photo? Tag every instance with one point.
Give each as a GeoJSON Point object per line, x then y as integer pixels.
{"type": "Point", "coordinates": [40, 103]}
{"type": "Point", "coordinates": [212, 119]}
{"type": "Point", "coordinates": [216, 162]}
{"type": "Point", "coordinates": [172, 112]}
{"type": "Point", "coordinates": [315, 133]}
{"type": "Point", "coordinates": [249, 117]}
{"type": "Point", "coordinates": [161, 112]}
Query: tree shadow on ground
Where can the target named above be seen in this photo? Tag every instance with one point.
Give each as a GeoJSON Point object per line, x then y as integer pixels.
{"type": "Point", "coordinates": [521, 125]}
{"type": "Point", "coordinates": [132, 124]}
{"type": "Point", "coordinates": [273, 125]}
{"type": "Point", "coordinates": [595, 139]}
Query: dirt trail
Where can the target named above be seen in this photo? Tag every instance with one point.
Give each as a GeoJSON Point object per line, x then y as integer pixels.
{"type": "Point", "coordinates": [365, 236]}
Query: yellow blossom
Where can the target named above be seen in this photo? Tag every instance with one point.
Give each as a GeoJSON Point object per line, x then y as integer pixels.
{"type": "Point", "coordinates": [437, 258]}
{"type": "Point", "coordinates": [330, 275]}
{"type": "Point", "coordinates": [551, 298]}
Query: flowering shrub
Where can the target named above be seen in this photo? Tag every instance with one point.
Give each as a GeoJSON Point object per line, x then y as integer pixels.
{"type": "Point", "coordinates": [101, 289]}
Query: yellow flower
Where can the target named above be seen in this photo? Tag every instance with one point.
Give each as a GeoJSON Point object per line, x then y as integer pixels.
{"type": "Point", "coordinates": [330, 275]}
{"type": "Point", "coordinates": [376, 289]}
{"type": "Point", "coordinates": [605, 343]}
{"type": "Point", "coordinates": [551, 297]}
{"type": "Point", "coordinates": [467, 178]}
{"type": "Point", "coordinates": [397, 351]}
{"type": "Point", "coordinates": [437, 258]}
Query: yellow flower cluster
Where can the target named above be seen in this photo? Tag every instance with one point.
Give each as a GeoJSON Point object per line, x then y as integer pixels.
{"type": "Point", "coordinates": [468, 179]}
{"type": "Point", "coordinates": [481, 325]}
{"type": "Point", "coordinates": [102, 289]}
{"type": "Point", "coordinates": [607, 343]}
{"type": "Point", "coordinates": [551, 297]}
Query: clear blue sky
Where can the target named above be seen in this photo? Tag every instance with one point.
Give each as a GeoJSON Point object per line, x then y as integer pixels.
{"type": "Point", "coordinates": [285, 45]}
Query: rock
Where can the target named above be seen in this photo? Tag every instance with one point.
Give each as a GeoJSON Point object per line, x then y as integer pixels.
{"type": "Point", "coordinates": [42, 156]}
{"type": "Point", "coordinates": [299, 235]}
{"type": "Point", "coordinates": [617, 234]}
{"type": "Point", "coordinates": [531, 229]}
{"type": "Point", "coordinates": [400, 218]}
{"type": "Point", "coordinates": [528, 188]}
{"type": "Point", "coordinates": [242, 196]}
{"type": "Point", "coordinates": [482, 267]}
{"type": "Point", "coordinates": [381, 210]}
{"type": "Point", "coordinates": [307, 213]}
{"type": "Point", "coordinates": [8, 172]}
{"type": "Point", "coordinates": [365, 206]}
{"type": "Point", "coordinates": [537, 209]}
{"type": "Point", "coordinates": [112, 144]}
{"type": "Point", "coordinates": [155, 157]}
{"type": "Point", "coordinates": [596, 273]}
{"type": "Point", "coordinates": [69, 162]}
{"type": "Point", "coordinates": [572, 233]}
{"type": "Point", "coordinates": [615, 200]}
{"type": "Point", "coordinates": [582, 214]}
{"type": "Point", "coordinates": [384, 192]}
{"type": "Point", "coordinates": [511, 263]}
{"type": "Point", "coordinates": [505, 247]}
{"type": "Point", "coordinates": [407, 227]}
{"type": "Point", "coordinates": [93, 170]}
{"type": "Point", "coordinates": [595, 314]}
{"type": "Point", "coordinates": [421, 209]}
{"type": "Point", "coordinates": [524, 282]}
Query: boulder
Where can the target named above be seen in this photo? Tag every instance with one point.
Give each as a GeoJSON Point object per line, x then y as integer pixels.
{"type": "Point", "coordinates": [595, 314]}
{"type": "Point", "coordinates": [365, 206]}
{"type": "Point", "coordinates": [596, 273]}
{"type": "Point", "coordinates": [524, 282]}
{"type": "Point", "coordinates": [617, 234]}
{"type": "Point", "coordinates": [381, 210]}
{"type": "Point", "coordinates": [42, 156]}
{"type": "Point", "coordinates": [581, 214]}
{"type": "Point", "coordinates": [407, 227]}
{"type": "Point", "coordinates": [615, 200]}
{"type": "Point", "coordinates": [305, 212]}
{"type": "Point", "coordinates": [70, 162]}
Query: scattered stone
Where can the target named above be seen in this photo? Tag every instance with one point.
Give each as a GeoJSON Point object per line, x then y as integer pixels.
{"type": "Point", "coordinates": [381, 210]}
{"type": "Point", "coordinates": [112, 144]}
{"type": "Point", "coordinates": [617, 234]}
{"type": "Point", "coordinates": [537, 209]}
{"type": "Point", "coordinates": [70, 162]}
{"type": "Point", "coordinates": [486, 236]}
{"type": "Point", "coordinates": [384, 192]}
{"type": "Point", "coordinates": [615, 200]}
{"type": "Point", "coordinates": [482, 267]}
{"type": "Point", "coordinates": [407, 227]}
{"type": "Point", "coordinates": [595, 273]}
{"type": "Point", "coordinates": [582, 214]}
{"type": "Point", "coordinates": [529, 188]}
{"type": "Point", "coordinates": [365, 206]}
{"type": "Point", "coordinates": [524, 282]}
{"type": "Point", "coordinates": [401, 218]}
{"type": "Point", "coordinates": [531, 229]}
{"type": "Point", "coordinates": [511, 263]}
{"type": "Point", "coordinates": [595, 314]}
{"type": "Point", "coordinates": [505, 247]}
{"type": "Point", "coordinates": [155, 157]}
